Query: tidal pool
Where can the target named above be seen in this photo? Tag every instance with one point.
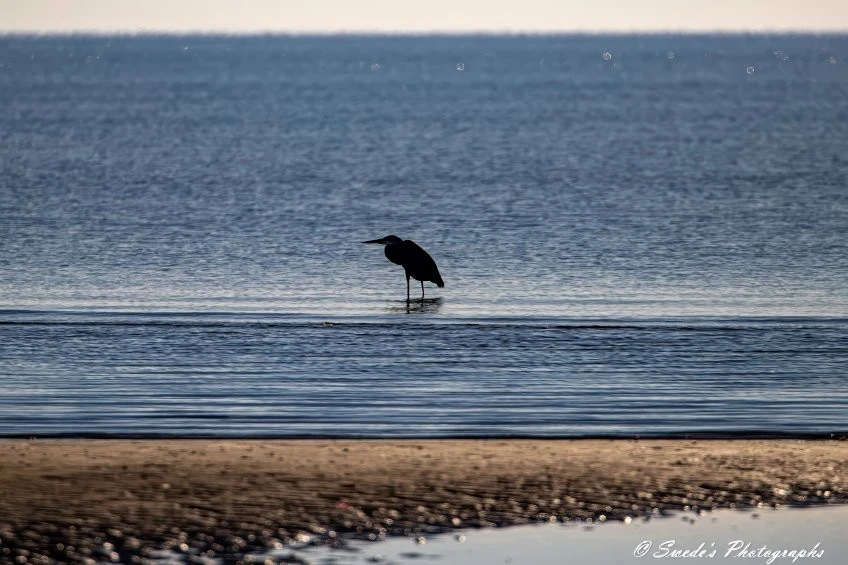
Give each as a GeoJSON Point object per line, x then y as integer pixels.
{"type": "Point", "coordinates": [762, 535]}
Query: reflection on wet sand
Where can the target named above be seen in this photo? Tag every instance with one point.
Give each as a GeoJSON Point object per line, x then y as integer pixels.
{"type": "Point", "coordinates": [761, 535]}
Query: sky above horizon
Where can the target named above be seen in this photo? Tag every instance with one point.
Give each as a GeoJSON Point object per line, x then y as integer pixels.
{"type": "Point", "coordinates": [405, 16]}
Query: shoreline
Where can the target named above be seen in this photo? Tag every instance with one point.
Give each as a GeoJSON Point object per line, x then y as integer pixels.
{"type": "Point", "coordinates": [841, 435]}
{"type": "Point", "coordinates": [65, 499]}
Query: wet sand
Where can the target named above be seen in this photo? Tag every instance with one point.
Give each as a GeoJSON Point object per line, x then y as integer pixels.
{"type": "Point", "coordinates": [72, 500]}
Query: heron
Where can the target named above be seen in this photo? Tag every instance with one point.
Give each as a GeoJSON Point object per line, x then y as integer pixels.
{"type": "Point", "coordinates": [416, 262]}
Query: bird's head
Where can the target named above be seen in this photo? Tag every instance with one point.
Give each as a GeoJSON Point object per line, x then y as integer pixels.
{"type": "Point", "coordinates": [385, 240]}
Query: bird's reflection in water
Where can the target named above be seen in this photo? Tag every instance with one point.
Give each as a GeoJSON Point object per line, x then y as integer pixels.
{"type": "Point", "coordinates": [425, 306]}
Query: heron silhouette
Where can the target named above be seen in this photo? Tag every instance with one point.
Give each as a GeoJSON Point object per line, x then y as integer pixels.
{"type": "Point", "coordinates": [416, 262]}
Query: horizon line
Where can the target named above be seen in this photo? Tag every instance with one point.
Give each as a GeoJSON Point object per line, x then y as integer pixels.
{"type": "Point", "coordinates": [418, 33]}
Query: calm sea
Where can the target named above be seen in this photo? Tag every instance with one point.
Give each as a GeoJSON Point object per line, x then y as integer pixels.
{"type": "Point", "coordinates": [638, 234]}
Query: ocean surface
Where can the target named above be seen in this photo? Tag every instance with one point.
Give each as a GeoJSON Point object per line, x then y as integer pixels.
{"type": "Point", "coordinates": [639, 235]}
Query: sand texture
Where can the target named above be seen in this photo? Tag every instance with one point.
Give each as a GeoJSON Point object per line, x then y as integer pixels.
{"type": "Point", "coordinates": [73, 500]}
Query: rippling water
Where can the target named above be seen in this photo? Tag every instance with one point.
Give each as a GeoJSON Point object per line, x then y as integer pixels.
{"type": "Point", "coordinates": [638, 235]}
{"type": "Point", "coordinates": [395, 376]}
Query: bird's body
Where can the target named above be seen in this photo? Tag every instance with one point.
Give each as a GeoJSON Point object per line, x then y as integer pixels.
{"type": "Point", "coordinates": [416, 262]}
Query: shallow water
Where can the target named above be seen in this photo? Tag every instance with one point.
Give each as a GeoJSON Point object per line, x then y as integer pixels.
{"type": "Point", "coordinates": [638, 235]}
{"type": "Point", "coordinates": [762, 536]}
{"type": "Point", "coordinates": [397, 375]}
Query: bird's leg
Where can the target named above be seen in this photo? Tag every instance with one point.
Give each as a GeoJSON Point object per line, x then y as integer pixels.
{"type": "Point", "coordinates": [422, 291]}
{"type": "Point", "coordinates": [407, 287]}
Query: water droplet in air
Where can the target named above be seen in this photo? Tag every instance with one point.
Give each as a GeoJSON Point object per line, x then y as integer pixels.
{"type": "Point", "coordinates": [375, 66]}
{"type": "Point", "coordinates": [460, 66]}
{"type": "Point", "coordinates": [832, 60]}
{"type": "Point", "coordinates": [750, 70]}
{"type": "Point", "coordinates": [607, 55]}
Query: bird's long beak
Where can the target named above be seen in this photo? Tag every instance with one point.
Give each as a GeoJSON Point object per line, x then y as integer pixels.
{"type": "Point", "coordinates": [382, 240]}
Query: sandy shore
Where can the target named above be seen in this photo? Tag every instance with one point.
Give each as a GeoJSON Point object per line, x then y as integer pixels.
{"type": "Point", "coordinates": [73, 500]}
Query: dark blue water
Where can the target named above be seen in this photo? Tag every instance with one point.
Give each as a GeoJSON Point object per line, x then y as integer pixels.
{"type": "Point", "coordinates": [638, 235]}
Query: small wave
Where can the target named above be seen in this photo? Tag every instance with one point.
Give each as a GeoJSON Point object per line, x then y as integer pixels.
{"type": "Point", "coordinates": [11, 317]}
